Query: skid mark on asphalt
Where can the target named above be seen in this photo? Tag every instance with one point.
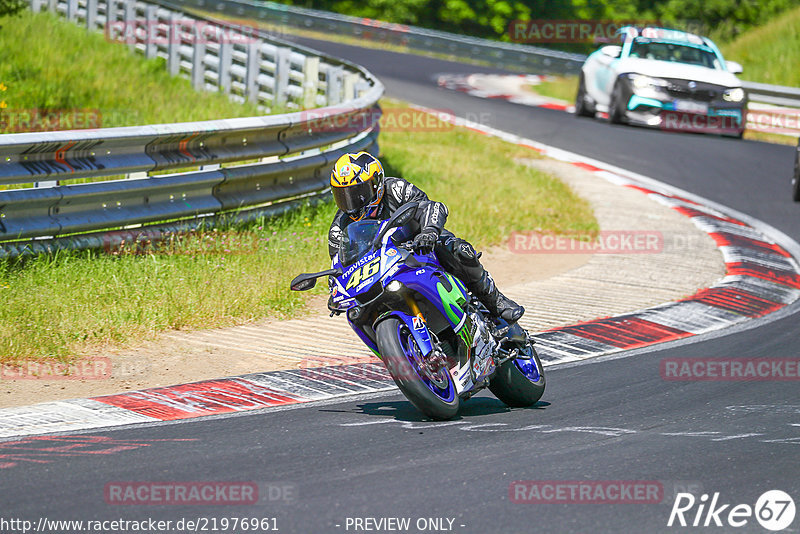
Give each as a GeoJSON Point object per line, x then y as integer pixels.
{"type": "Point", "coordinates": [614, 432]}
{"type": "Point", "coordinates": [47, 449]}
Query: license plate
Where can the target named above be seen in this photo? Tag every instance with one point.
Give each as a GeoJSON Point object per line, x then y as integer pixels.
{"type": "Point", "coordinates": [687, 106]}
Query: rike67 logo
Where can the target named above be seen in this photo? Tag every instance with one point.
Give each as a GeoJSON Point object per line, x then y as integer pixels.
{"type": "Point", "coordinates": [774, 510]}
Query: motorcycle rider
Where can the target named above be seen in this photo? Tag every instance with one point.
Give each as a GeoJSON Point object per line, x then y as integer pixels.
{"type": "Point", "coordinates": [362, 192]}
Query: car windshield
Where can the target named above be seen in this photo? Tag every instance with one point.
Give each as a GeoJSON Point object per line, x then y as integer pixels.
{"type": "Point", "coordinates": [357, 240]}
{"type": "Point", "coordinates": [674, 52]}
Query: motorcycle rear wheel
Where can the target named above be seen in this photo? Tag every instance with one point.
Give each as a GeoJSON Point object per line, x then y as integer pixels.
{"type": "Point", "coordinates": [519, 382]}
{"type": "Point", "coordinates": [432, 394]}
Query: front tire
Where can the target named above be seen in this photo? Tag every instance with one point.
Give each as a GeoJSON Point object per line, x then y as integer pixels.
{"type": "Point", "coordinates": [615, 114]}
{"type": "Point", "coordinates": [581, 109]}
{"type": "Point", "coordinates": [432, 394]}
{"type": "Point", "coordinates": [520, 382]}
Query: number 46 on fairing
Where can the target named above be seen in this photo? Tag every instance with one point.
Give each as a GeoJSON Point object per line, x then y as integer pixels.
{"type": "Point", "coordinates": [362, 273]}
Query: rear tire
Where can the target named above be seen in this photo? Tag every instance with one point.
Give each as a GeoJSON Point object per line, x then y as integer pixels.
{"type": "Point", "coordinates": [435, 396]}
{"type": "Point", "coordinates": [581, 109]}
{"type": "Point", "coordinates": [518, 388]}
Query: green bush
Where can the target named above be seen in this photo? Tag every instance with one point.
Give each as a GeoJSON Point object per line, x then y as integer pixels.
{"type": "Point", "coordinates": [11, 7]}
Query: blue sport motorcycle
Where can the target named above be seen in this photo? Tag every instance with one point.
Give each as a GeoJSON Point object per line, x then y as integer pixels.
{"type": "Point", "coordinates": [439, 344]}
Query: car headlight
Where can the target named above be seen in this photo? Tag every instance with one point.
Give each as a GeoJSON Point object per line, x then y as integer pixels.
{"type": "Point", "coordinates": [733, 95]}
{"type": "Point", "coordinates": [640, 81]}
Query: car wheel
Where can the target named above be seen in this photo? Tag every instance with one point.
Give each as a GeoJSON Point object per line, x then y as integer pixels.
{"type": "Point", "coordinates": [581, 109]}
{"type": "Point", "coordinates": [615, 114]}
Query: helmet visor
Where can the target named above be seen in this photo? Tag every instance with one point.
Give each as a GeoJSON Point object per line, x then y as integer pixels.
{"type": "Point", "coordinates": [353, 198]}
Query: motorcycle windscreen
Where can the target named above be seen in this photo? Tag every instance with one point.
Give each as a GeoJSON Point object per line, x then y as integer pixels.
{"type": "Point", "coordinates": [356, 240]}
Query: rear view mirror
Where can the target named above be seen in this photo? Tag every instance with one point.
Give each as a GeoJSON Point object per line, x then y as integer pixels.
{"type": "Point", "coordinates": [734, 67]}
{"type": "Point", "coordinates": [400, 217]}
{"type": "Point", "coordinates": [611, 51]}
{"type": "Point", "coordinates": [303, 282]}
{"type": "Point", "coordinates": [306, 281]}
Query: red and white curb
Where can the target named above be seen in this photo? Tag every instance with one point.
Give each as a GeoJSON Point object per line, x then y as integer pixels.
{"type": "Point", "coordinates": [509, 87]}
{"type": "Point", "coordinates": [762, 277]}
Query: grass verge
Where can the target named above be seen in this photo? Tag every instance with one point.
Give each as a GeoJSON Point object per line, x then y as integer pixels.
{"type": "Point", "coordinates": [766, 137]}
{"type": "Point", "coordinates": [77, 79]}
{"type": "Point", "coordinates": [770, 53]}
{"type": "Point", "coordinates": [62, 305]}
{"type": "Point", "coordinates": [560, 87]}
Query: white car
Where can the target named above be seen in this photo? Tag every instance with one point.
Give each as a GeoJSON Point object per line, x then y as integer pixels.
{"type": "Point", "coordinates": [663, 78]}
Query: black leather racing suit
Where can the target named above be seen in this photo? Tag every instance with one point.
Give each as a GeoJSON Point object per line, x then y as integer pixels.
{"type": "Point", "coordinates": [456, 255]}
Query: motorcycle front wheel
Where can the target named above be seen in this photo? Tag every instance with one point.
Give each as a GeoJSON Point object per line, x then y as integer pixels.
{"type": "Point", "coordinates": [432, 393]}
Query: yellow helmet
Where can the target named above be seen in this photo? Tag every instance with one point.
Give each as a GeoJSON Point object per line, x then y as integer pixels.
{"type": "Point", "coordinates": [357, 184]}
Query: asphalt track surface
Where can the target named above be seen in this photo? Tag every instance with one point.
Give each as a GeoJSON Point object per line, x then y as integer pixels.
{"type": "Point", "coordinates": [613, 419]}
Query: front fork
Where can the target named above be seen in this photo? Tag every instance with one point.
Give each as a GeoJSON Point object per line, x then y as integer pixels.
{"type": "Point", "coordinates": [415, 323]}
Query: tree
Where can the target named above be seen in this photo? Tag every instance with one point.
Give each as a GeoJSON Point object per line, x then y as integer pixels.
{"type": "Point", "coordinates": [9, 8]}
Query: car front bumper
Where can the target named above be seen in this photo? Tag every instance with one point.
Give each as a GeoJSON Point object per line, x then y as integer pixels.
{"type": "Point", "coordinates": [659, 109]}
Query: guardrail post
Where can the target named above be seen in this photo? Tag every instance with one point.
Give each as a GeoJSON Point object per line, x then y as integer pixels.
{"type": "Point", "coordinates": [130, 23]}
{"type": "Point", "coordinates": [173, 45]}
{"type": "Point", "coordinates": [361, 87]}
{"type": "Point", "coordinates": [150, 31]}
{"type": "Point", "coordinates": [199, 66]}
{"type": "Point", "coordinates": [310, 81]}
{"type": "Point", "coordinates": [334, 85]}
{"type": "Point", "coordinates": [91, 14]}
{"type": "Point", "coordinates": [350, 86]}
{"type": "Point", "coordinates": [252, 71]}
{"type": "Point", "coordinates": [282, 68]}
{"type": "Point", "coordinates": [52, 6]}
{"type": "Point", "coordinates": [111, 14]}
{"type": "Point", "coordinates": [36, 5]}
{"type": "Point", "coordinates": [72, 10]}
{"type": "Point", "coordinates": [225, 60]}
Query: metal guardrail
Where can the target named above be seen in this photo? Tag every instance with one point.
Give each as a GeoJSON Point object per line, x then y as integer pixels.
{"type": "Point", "coordinates": [264, 70]}
{"type": "Point", "coordinates": [530, 59]}
{"type": "Point", "coordinates": [282, 157]}
{"type": "Point", "coordinates": [221, 56]}
{"type": "Point", "coordinates": [512, 56]}
{"type": "Point", "coordinates": [777, 95]}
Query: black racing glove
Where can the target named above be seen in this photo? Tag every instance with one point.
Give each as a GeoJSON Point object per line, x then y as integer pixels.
{"type": "Point", "coordinates": [425, 241]}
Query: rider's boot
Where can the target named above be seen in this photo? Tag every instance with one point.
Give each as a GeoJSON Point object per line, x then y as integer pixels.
{"type": "Point", "coordinates": [498, 304]}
